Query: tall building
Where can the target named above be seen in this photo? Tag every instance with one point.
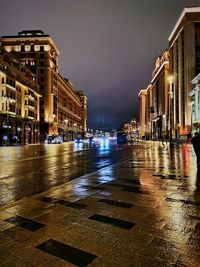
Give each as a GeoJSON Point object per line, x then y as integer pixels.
{"type": "Point", "coordinates": [184, 47]}
{"type": "Point", "coordinates": [142, 112]}
{"type": "Point", "coordinates": [19, 102]}
{"type": "Point", "coordinates": [59, 105]}
{"type": "Point", "coordinates": [149, 111]}
{"type": "Point", "coordinates": [154, 101]}
{"type": "Point", "coordinates": [160, 97]}
{"type": "Point", "coordinates": [195, 104]}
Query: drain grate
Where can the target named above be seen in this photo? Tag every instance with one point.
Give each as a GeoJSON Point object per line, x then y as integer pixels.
{"type": "Point", "coordinates": [116, 203]}
{"type": "Point", "coordinates": [112, 221]}
{"type": "Point", "coordinates": [25, 223]}
{"type": "Point", "coordinates": [68, 253]}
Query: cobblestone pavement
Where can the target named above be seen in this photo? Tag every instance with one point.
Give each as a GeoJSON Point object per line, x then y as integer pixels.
{"type": "Point", "coordinates": [144, 211]}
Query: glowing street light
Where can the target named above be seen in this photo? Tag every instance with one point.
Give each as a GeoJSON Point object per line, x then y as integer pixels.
{"type": "Point", "coordinates": [171, 81]}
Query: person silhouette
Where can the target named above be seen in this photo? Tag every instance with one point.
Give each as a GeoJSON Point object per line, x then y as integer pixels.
{"type": "Point", "coordinates": [196, 146]}
{"type": "Point", "coordinates": [198, 179]}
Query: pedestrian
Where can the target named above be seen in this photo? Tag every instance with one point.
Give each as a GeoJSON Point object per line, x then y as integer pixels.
{"type": "Point", "coordinates": [196, 146]}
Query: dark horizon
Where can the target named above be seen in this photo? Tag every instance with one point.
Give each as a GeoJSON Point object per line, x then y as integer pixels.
{"type": "Point", "coordinates": [107, 48]}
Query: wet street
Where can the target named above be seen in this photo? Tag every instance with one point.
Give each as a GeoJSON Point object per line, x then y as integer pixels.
{"type": "Point", "coordinates": [99, 205]}
{"type": "Point", "coordinates": [27, 170]}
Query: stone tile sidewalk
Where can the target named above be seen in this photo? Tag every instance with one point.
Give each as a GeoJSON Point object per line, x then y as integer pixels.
{"type": "Point", "coordinates": [142, 212]}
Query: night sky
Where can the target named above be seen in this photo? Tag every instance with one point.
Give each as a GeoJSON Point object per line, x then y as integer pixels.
{"type": "Point", "coordinates": [107, 47]}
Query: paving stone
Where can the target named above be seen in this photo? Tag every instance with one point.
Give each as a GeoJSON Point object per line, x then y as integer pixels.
{"type": "Point", "coordinates": [66, 252]}
{"type": "Point", "coordinates": [163, 206]}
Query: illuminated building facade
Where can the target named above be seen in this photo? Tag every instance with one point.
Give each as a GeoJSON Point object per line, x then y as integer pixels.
{"type": "Point", "coordinates": [195, 104]}
{"type": "Point", "coordinates": [159, 110]}
{"type": "Point", "coordinates": [184, 47]}
{"type": "Point", "coordinates": [39, 53]}
{"type": "Point", "coordinates": [72, 110]}
{"type": "Point", "coordinates": [19, 102]}
{"type": "Point", "coordinates": [142, 112]}
{"type": "Point", "coordinates": [149, 111]}
{"type": "Point", "coordinates": [131, 129]}
{"type": "Point", "coordinates": [154, 102]}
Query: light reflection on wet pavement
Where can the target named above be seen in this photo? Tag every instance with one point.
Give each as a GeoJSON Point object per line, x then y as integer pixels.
{"type": "Point", "coordinates": [133, 205]}
{"type": "Point", "coordinates": [27, 170]}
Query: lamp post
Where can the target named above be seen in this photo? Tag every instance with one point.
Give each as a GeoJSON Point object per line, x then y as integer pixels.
{"type": "Point", "coordinates": [53, 118]}
{"type": "Point", "coordinates": [19, 135]}
{"type": "Point", "coordinates": [82, 135]}
{"type": "Point", "coordinates": [171, 96]}
{"type": "Point", "coordinates": [75, 128]}
{"type": "Point", "coordinates": [65, 127]}
{"type": "Point", "coordinates": [164, 126]}
{"type": "Point", "coordinates": [35, 135]}
{"type": "Point", "coordinates": [7, 117]}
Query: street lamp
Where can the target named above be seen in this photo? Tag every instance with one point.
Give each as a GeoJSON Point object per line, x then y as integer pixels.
{"type": "Point", "coordinates": [75, 128]}
{"type": "Point", "coordinates": [53, 118]}
{"type": "Point", "coordinates": [35, 135]}
{"type": "Point", "coordinates": [171, 95]}
{"type": "Point", "coordinates": [65, 126]}
{"type": "Point", "coordinates": [164, 125]}
{"type": "Point", "coordinates": [7, 117]}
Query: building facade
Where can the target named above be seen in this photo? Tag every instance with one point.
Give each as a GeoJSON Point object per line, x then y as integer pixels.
{"type": "Point", "coordinates": [195, 104]}
{"type": "Point", "coordinates": [131, 128]}
{"type": "Point", "coordinates": [184, 47]}
{"type": "Point", "coordinates": [142, 112]}
{"type": "Point", "coordinates": [19, 102]}
{"type": "Point", "coordinates": [154, 102]}
{"type": "Point", "coordinates": [72, 111]}
{"type": "Point", "coordinates": [159, 110]}
{"type": "Point", "coordinates": [38, 52]}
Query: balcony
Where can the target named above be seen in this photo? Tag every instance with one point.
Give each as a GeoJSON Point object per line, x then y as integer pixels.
{"type": "Point", "coordinates": [30, 117]}
{"type": "Point", "coordinates": [30, 107]}
{"type": "Point", "coordinates": [9, 87]}
{"type": "Point", "coordinates": [26, 97]}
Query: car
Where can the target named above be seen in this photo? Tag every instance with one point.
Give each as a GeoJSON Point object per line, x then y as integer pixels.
{"type": "Point", "coordinates": [53, 139]}
{"type": "Point", "coordinates": [79, 140]}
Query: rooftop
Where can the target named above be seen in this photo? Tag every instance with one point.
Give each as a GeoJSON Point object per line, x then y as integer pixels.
{"type": "Point", "coordinates": [187, 9]}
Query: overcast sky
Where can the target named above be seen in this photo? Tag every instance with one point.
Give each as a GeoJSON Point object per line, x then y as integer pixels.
{"type": "Point", "coordinates": [107, 47]}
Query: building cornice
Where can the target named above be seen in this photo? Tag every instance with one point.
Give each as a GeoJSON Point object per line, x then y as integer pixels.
{"type": "Point", "coordinates": [185, 10]}
{"type": "Point", "coordinates": [159, 70]}
{"type": "Point", "coordinates": [142, 92]}
{"type": "Point", "coordinates": [31, 39]}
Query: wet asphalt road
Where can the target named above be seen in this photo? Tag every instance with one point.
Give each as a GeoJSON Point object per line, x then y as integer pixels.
{"type": "Point", "coordinates": [31, 169]}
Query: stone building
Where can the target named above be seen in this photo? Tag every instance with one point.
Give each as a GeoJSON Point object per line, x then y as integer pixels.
{"type": "Point", "coordinates": [19, 102]}
{"type": "Point", "coordinates": [38, 52]}
{"type": "Point", "coordinates": [160, 97]}
{"type": "Point", "coordinates": [184, 48]}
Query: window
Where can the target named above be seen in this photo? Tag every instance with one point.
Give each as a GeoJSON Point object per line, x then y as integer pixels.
{"type": "Point", "coordinates": [32, 47]}
{"type": "Point", "coordinates": [22, 48]}
{"type": "Point", "coordinates": [41, 71]}
{"type": "Point", "coordinates": [42, 48]}
{"type": "Point", "coordinates": [2, 80]}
